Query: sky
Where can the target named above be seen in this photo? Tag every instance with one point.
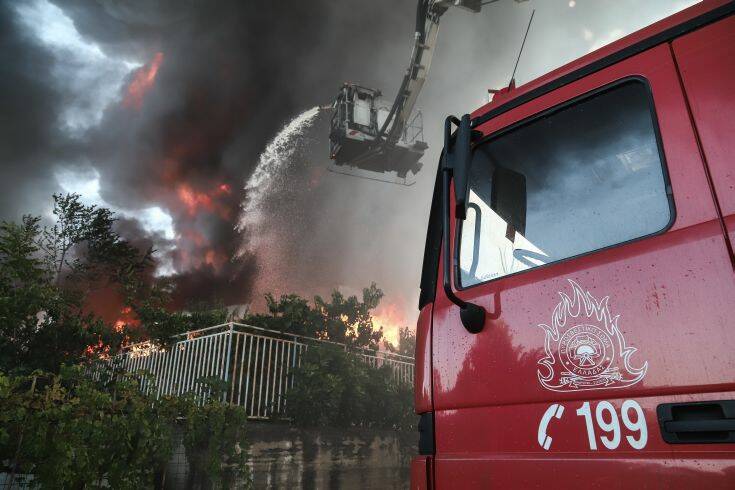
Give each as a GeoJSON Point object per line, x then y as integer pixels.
{"type": "Point", "coordinates": [160, 110]}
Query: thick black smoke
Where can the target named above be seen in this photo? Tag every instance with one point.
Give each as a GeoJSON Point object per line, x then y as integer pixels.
{"type": "Point", "coordinates": [29, 103]}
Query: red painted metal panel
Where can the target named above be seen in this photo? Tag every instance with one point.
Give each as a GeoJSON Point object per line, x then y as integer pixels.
{"type": "Point", "coordinates": [422, 375]}
{"type": "Point", "coordinates": [577, 471]}
{"type": "Point", "coordinates": [421, 473]}
{"type": "Point", "coordinates": [671, 297]}
{"type": "Point", "coordinates": [674, 294]}
{"type": "Point", "coordinates": [505, 430]}
{"type": "Point", "coordinates": [706, 60]}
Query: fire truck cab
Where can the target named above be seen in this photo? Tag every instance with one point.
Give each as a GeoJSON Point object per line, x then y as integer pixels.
{"type": "Point", "coordinates": [577, 308]}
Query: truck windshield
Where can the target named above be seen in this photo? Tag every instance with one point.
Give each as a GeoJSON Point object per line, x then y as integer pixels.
{"type": "Point", "coordinates": [584, 177]}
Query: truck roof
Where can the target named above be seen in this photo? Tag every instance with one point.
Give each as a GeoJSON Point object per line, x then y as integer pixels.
{"type": "Point", "coordinates": [659, 32]}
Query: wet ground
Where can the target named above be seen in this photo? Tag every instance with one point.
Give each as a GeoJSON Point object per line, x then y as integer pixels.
{"type": "Point", "coordinates": [289, 458]}
{"type": "Point", "coordinates": [341, 478]}
{"type": "Point", "coordinates": [330, 458]}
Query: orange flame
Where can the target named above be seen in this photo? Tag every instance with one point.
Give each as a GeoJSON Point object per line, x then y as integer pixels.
{"type": "Point", "coordinates": [193, 200]}
{"type": "Point", "coordinates": [142, 83]}
{"type": "Point", "coordinates": [126, 318]}
{"type": "Point", "coordinates": [97, 350]}
{"type": "Point", "coordinates": [196, 201]}
{"type": "Point", "coordinates": [392, 319]}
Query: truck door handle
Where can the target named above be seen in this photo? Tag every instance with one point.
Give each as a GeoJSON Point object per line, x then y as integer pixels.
{"type": "Point", "coordinates": [701, 425]}
{"type": "Point", "coordinates": [697, 422]}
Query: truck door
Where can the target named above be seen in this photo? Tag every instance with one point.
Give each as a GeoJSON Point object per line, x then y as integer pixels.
{"type": "Point", "coordinates": [706, 60]}
{"type": "Point", "coordinates": [594, 243]}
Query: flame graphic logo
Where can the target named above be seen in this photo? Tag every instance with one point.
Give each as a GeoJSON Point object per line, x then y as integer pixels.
{"type": "Point", "coordinates": [584, 348]}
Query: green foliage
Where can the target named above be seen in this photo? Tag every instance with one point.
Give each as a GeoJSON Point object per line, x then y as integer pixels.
{"type": "Point", "coordinates": [346, 320]}
{"type": "Point", "coordinates": [70, 432]}
{"type": "Point", "coordinates": [214, 440]}
{"type": "Point", "coordinates": [25, 290]}
{"type": "Point", "coordinates": [83, 246]}
{"type": "Point", "coordinates": [319, 387]}
{"type": "Point", "coordinates": [291, 313]}
{"type": "Point", "coordinates": [41, 324]}
{"type": "Point", "coordinates": [150, 302]}
{"type": "Point", "coordinates": [333, 387]}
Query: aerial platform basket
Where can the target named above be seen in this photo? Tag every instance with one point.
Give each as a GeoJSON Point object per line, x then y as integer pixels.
{"type": "Point", "coordinates": [363, 145]}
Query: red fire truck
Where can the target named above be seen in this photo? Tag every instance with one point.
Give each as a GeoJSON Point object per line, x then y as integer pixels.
{"type": "Point", "coordinates": [577, 324]}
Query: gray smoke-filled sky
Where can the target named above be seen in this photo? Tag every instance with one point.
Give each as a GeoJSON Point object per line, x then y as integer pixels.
{"type": "Point", "coordinates": [160, 110]}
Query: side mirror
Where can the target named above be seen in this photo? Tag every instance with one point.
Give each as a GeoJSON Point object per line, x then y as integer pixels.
{"type": "Point", "coordinates": [456, 162]}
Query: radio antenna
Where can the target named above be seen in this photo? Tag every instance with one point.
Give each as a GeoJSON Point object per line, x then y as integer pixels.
{"type": "Point", "coordinates": [523, 44]}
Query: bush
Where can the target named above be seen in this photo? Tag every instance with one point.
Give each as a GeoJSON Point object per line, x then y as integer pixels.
{"type": "Point", "coordinates": [333, 387]}
{"type": "Point", "coordinates": [70, 432]}
{"type": "Point", "coordinates": [214, 439]}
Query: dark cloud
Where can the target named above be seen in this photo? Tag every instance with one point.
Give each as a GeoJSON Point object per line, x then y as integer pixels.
{"type": "Point", "coordinates": [29, 105]}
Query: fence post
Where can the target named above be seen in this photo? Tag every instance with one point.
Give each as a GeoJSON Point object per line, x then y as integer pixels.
{"type": "Point", "coordinates": [296, 353]}
{"type": "Point", "coordinates": [227, 361]}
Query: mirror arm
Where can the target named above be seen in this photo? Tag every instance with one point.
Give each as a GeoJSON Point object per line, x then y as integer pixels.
{"type": "Point", "coordinates": [472, 315]}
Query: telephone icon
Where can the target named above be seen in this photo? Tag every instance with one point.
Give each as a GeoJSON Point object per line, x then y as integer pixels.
{"type": "Point", "coordinates": [554, 410]}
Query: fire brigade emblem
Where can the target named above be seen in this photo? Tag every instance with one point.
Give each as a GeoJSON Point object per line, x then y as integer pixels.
{"type": "Point", "coordinates": [584, 349]}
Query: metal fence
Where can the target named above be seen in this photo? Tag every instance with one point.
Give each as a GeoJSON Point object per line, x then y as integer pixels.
{"type": "Point", "coordinates": [255, 364]}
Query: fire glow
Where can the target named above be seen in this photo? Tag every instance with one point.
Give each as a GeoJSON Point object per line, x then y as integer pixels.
{"type": "Point", "coordinates": [193, 200]}
{"type": "Point", "coordinates": [126, 318]}
{"type": "Point", "coordinates": [214, 258]}
{"type": "Point", "coordinates": [143, 81]}
{"type": "Point", "coordinates": [391, 318]}
{"type": "Point", "coordinates": [197, 201]}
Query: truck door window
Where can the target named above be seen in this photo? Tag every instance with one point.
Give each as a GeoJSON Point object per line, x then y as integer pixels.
{"type": "Point", "coordinates": [574, 180]}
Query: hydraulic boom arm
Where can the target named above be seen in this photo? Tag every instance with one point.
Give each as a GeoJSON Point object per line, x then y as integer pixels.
{"type": "Point", "coordinates": [428, 13]}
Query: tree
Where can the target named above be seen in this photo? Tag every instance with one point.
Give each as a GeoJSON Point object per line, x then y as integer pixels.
{"type": "Point", "coordinates": [335, 388]}
{"type": "Point", "coordinates": [70, 431]}
{"type": "Point", "coordinates": [290, 313]}
{"type": "Point", "coordinates": [26, 291]}
{"type": "Point", "coordinates": [406, 343]}
{"type": "Point", "coordinates": [150, 301]}
{"type": "Point", "coordinates": [82, 246]}
{"type": "Point", "coordinates": [346, 320]}
{"type": "Point", "coordinates": [45, 277]}
{"type": "Point", "coordinates": [41, 325]}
